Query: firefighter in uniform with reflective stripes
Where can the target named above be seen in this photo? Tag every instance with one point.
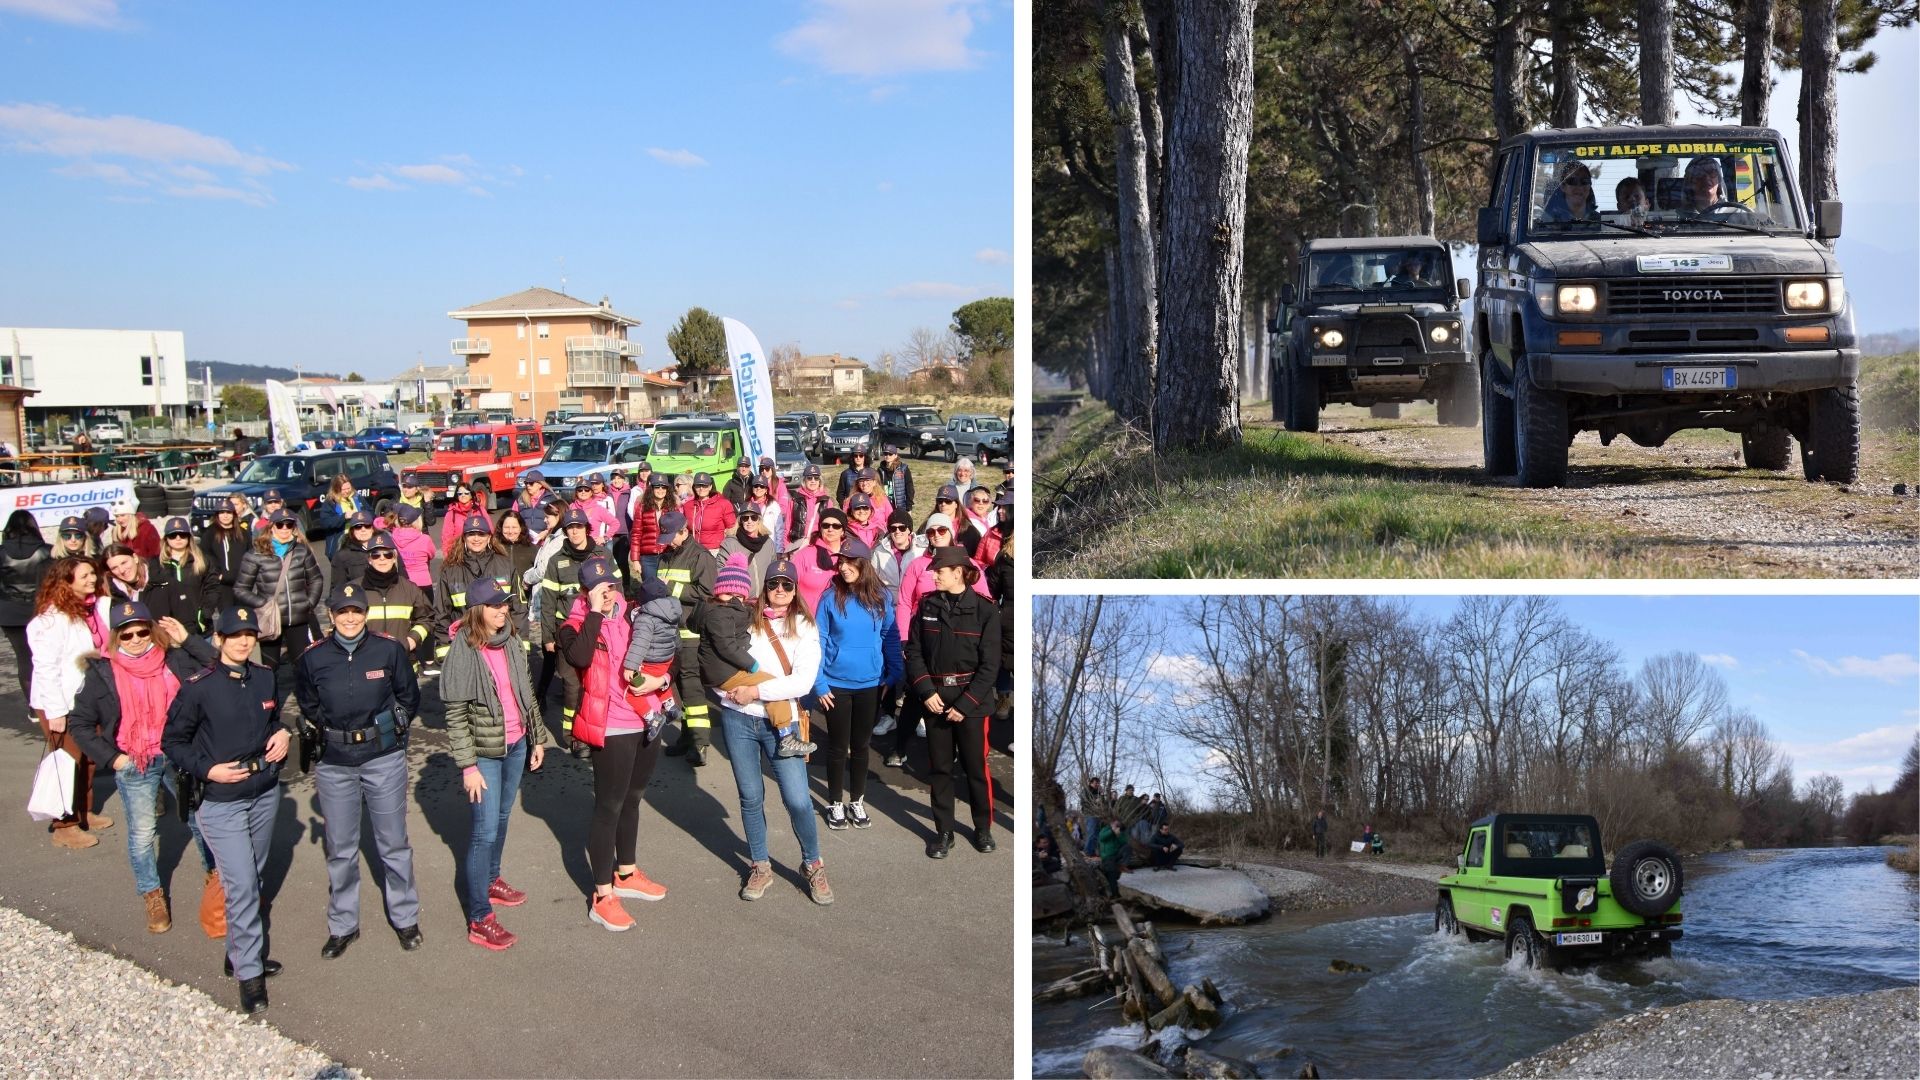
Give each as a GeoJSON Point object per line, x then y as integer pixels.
{"type": "Point", "coordinates": [688, 573]}
{"type": "Point", "coordinates": [561, 585]}
{"type": "Point", "coordinates": [396, 607]}
{"type": "Point", "coordinates": [953, 660]}
{"type": "Point", "coordinates": [358, 691]}
{"type": "Point", "coordinates": [479, 555]}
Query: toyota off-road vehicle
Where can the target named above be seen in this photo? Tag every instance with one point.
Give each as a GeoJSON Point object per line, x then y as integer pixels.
{"type": "Point", "coordinates": [1641, 281]}
{"type": "Point", "coordinates": [1372, 321]}
{"type": "Point", "coordinates": [1540, 883]}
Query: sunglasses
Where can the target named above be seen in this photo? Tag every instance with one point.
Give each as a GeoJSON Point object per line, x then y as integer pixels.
{"type": "Point", "coordinates": [834, 525]}
{"type": "Point", "coordinates": [381, 555]}
{"type": "Point", "coordinates": [184, 536]}
{"type": "Point", "coordinates": [780, 586]}
{"type": "Point", "coordinates": [900, 528]}
{"type": "Point", "coordinates": [287, 525]}
{"type": "Point", "coordinates": [940, 529]}
{"type": "Point", "coordinates": [135, 635]}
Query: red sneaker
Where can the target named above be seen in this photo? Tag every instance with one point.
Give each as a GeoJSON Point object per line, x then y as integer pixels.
{"type": "Point", "coordinates": [489, 934]}
{"type": "Point", "coordinates": [637, 886]}
{"type": "Point", "coordinates": [606, 911]}
{"type": "Point", "coordinates": [504, 894]}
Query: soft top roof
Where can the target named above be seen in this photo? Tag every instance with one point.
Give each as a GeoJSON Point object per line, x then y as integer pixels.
{"type": "Point", "coordinates": [1370, 243]}
{"type": "Point", "coordinates": [1680, 132]}
{"type": "Point", "coordinates": [1569, 819]}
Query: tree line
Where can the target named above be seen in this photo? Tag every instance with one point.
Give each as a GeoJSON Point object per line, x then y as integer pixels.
{"type": "Point", "coordinates": [1183, 150]}
{"type": "Point", "coordinates": [1358, 706]}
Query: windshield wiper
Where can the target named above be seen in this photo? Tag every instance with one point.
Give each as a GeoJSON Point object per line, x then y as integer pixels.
{"type": "Point", "coordinates": [1567, 228]}
{"type": "Point", "coordinates": [1723, 224]}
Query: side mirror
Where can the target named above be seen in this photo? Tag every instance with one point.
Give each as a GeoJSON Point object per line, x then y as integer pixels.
{"type": "Point", "coordinates": [1289, 296]}
{"type": "Point", "coordinates": [1460, 861]}
{"type": "Point", "coordinates": [1462, 287]}
{"type": "Point", "coordinates": [1826, 219]}
{"type": "Point", "coordinates": [1487, 224]}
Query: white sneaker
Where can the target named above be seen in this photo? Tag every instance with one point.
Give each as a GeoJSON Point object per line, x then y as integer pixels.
{"type": "Point", "coordinates": [920, 729]}
{"type": "Point", "coordinates": [885, 725]}
{"type": "Point", "coordinates": [836, 816]}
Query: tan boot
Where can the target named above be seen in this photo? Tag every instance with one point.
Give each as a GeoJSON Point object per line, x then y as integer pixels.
{"type": "Point", "coordinates": [99, 823]}
{"type": "Point", "coordinates": [213, 907]}
{"type": "Point", "coordinates": [74, 839]}
{"type": "Point", "coordinates": [158, 921]}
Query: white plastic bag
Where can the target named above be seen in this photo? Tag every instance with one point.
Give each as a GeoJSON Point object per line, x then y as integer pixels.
{"type": "Point", "coordinates": [52, 797]}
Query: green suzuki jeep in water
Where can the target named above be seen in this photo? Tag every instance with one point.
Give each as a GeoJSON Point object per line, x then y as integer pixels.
{"type": "Point", "coordinates": [1541, 884]}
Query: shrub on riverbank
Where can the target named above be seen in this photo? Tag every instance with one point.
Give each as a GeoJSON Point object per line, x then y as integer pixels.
{"type": "Point", "coordinates": [1905, 854]}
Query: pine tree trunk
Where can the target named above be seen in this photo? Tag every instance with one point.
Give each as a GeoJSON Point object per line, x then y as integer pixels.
{"type": "Point", "coordinates": [1564, 16]}
{"type": "Point", "coordinates": [1820, 130]}
{"type": "Point", "coordinates": [1417, 135]}
{"type": "Point", "coordinates": [1656, 61]}
{"type": "Point", "coordinates": [1756, 74]}
{"type": "Point", "coordinates": [1209, 125]}
{"type": "Point", "coordinates": [1116, 330]}
{"type": "Point", "coordinates": [1509, 70]}
{"type": "Point", "coordinates": [1137, 314]}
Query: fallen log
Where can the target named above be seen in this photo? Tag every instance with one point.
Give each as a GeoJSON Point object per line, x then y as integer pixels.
{"type": "Point", "coordinates": [1079, 984]}
{"type": "Point", "coordinates": [1150, 969]}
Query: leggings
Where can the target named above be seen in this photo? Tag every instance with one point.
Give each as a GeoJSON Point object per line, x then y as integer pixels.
{"type": "Point", "coordinates": [621, 770]}
{"type": "Point", "coordinates": [549, 665]}
{"type": "Point", "coordinates": [849, 729]}
{"type": "Point", "coordinates": [282, 654]}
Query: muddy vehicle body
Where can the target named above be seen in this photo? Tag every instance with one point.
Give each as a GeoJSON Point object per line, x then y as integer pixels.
{"type": "Point", "coordinates": [1541, 884]}
{"type": "Point", "coordinates": [1372, 321]}
{"type": "Point", "coordinates": [1641, 281]}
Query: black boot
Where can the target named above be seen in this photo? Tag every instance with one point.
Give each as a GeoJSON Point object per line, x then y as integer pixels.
{"type": "Point", "coordinates": [696, 755]}
{"type": "Point", "coordinates": [938, 847]}
{"type": "Point", "coordinates": [268, 968]}
{"type": "Point", "coordinates": [253, 995]}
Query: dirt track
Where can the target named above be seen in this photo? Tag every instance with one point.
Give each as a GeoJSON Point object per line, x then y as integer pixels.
{"type": "Point", "coordinates": [1691, 497]}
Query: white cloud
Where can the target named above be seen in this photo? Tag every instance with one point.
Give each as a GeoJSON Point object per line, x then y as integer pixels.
{"type": "Point", "coordinates": [884, 37]}
{"type": "Point", "coordinates": [992, 256]}
{"type": "Point", "coordinates": [1892, 667]}
{"type": "Point", "coordinates": [934, 290]}
{"type": "Point", "coordinates": [431, 174]}
{"type": "Point", "coordinates": [101, 170]}
{"type": "Point", "coordinates": [849, 304]}
{"type": "Point", "coordinates": [1865, 758]}
{"type": "Point", "coordinates": [100, 13]}
{"type": "Point", "coordinates": [250, 196]}
{"type": "Point", "coordinates": [881, 93]}
{"type": "Point", "coordinates": [1719, 659]}
{"type": "Point", "coordinates": [376, 182]}
{"type": "Point", "coordinates": [1179, 667]}
{"type": "Point", "coordinates": [478, 191]}
{"type": "Point", "coordinates": [679, 159]}
{"type": "Point", "coordinates": [50, 129]}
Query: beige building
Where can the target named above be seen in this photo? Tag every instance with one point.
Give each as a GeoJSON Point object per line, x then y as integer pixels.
{"type": "Point", "coordinates": [828, 374]}
{"type": "Point", "coordinates": [539, 350]}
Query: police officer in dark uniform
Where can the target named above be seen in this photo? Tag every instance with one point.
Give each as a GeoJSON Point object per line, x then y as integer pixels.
{"type": "Point", "coordinates": [953, 659]}
{"type": "Point", "coordinates": [226, 729]}
{"type": "Point", "coordinates": [358, 691]}
{"type": "Point", "coordinates": [688, 573]}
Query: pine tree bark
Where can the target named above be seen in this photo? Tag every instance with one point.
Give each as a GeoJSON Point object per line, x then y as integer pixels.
{"type": "Point", "coordinates": [1756, 74]}
{"type": "Point", "coordinates": [1563, 17]}
{"type": "Point", "coordinates": [1203, 248]}
{"type": "Point", "coordinates": [1509, 69]}
{"type": "Point", "coordinates": [1820, 128]}
{"type": "Point", "coordinates": [1136, 308]}
{"type": "Point", "coordinates": [1656, 61]}
{"type": "Point", "coordinates": [1417, 135]}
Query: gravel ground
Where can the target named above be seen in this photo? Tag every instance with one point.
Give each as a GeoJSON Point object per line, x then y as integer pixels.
{"type": "Point", "coordinates": [1299, 882]}
{"type": "Point", "coordinates": [1854, 1035]}
{"type": "Point", "coordinates": [66, 1010]}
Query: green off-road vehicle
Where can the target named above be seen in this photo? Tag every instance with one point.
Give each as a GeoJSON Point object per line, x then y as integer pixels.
{"type": "Point", "coordinates": [1541, 884]}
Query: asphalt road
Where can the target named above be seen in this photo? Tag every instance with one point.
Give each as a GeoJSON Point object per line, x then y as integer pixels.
{"type": "Point", "coordinates": [908, 973]}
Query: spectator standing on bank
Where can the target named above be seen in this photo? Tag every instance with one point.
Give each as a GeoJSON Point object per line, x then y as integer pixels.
{"type": "Point", "coordinates": [1320, 835]}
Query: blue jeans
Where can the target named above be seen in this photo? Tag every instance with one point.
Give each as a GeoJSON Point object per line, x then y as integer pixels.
{"type": "Point", "coordinates": [140, 798]}
{"type": "Point", "coordinates": [749, 742]}
{"type": "Point", "coordinates": [490, 816]}
{"type": "Point", "coordinates": [649, 567]}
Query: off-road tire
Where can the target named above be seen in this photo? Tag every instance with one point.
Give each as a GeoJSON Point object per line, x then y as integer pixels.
{"type": "Point", "coordinates": [1444, 922]}
{"type": "Point", "coordinates": [953, 453]}
{"type": "Point", "coordinates": [483, 496]}
{"type": "Point", "coordinates": [1540, 431]}
{"type": "Point", "coordinates": [1386, 410]}
{"type": "Point", "coordinates": [1520, 936]}
{"type": "Point", "coordinates": [1496, 423]}
{"type": "Point", "coordinates": [1456, 395]}
{"type": "Point", "coordinates": [1302, 391]}
{"type": "Point", "coordinates": [1831, 451]}
{"type": "Point", "coordinates": [1766, 447]}
{"type": "Point", "coordinates": [1647, 879]}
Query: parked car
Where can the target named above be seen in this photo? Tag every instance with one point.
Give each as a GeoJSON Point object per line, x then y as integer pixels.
{"type": "Point", "coordinates": [335, 439]}
{"type": "Point", "coordinates": [302, 481]}
{"type": "Point", "coordinates": [420, 440]}
{"type": "Point", "coordinates": [390, 439]}
{"type": "Point", "coordinates": [696, 446]}
{"type": "Point", "coordinates": [917, 430]}
{"type": "Point", "coordinates": [789, 454]}
{"type": "Point", "coordinates": [850, 431]}
{"type": "Point", "coordinates": [812, 430]}
{"type": "Point", "coordinates": [107, 433]}
{"type": "Point", "coordinates": [978, 436]}
{"type": "Point", "coordinates": [579, 455]}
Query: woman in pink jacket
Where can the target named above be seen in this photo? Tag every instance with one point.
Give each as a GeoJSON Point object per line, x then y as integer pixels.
{"type": "Point", "coordinates": [464, 506]}
{"type": "Point", "coordinates": [415, 546]}
{"type": "Point", "coordinates": [816, 563]}
{"type": "Point", "coordinates": [916, 580]}
{"type": "Point", "coordinates": [861, 521]}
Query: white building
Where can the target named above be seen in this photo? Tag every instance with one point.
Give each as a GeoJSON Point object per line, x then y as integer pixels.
{"type": "Point", "coordinates": [76, 371]}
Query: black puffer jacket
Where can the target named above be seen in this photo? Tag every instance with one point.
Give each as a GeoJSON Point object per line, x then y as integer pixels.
{"type": "Point", "coordinates": [180, 591]}
{"type": "Point", "coordinates": [95, 720]}
{"type": "Point", "coordinates": [24, 558]}
{"type": "Point", "coordinates": [306, 588]}
{"type": "Point", "coordinates": [224, 555]}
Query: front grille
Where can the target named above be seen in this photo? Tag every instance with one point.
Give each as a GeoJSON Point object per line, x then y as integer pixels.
{"type": "Point", "coordinates": [210, 502]}
{"type": "Point", "coordinates": [1695, 296]}
{"type": "Point", "coordinates": [1394, 331]}
{"type": "Point", "coordinates": [429, 479]}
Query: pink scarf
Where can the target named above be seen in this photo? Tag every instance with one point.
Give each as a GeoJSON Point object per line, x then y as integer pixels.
{"type": "Point", "coordinates": [97, 627]}
{"type": "Point", "coordinates": [144, 700]}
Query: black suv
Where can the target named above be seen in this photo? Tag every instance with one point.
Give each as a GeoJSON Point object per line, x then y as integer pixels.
{"type": "Point", "coordinates": [1372, 321]}
{"type": "Point", "coordinates": [1639, 281]}
{"type": "Point", "coordinates": [302, 479]}
{"type": "Point", "coordinates": [918, 430]}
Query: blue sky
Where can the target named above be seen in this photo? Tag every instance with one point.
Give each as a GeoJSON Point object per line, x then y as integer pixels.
{"type": "Point", "coordinates": [1836, 679]}
{"type": "Point", "coordinates": [320, 184]}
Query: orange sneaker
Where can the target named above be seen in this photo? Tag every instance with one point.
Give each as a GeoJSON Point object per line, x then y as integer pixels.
{"type": "Point", "coordinates": [606, 911]}
{"type": "Point", "coordinates": [637, 886]}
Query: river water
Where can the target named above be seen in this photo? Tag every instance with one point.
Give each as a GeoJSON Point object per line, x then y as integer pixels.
{"type": "Point", "coordinates": [1759, 925]}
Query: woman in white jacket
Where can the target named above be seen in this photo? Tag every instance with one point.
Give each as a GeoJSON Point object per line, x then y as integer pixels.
{"type": "Point", "coordinates": [64, 633]}
{"type": "Point", "coordinates": [786, 643]}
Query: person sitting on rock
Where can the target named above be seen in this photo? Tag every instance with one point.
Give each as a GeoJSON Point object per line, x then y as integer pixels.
{"type": "Point", "coordinates": [1045, 858]}
{"type": "Point", "coordinates": [1166, 847]}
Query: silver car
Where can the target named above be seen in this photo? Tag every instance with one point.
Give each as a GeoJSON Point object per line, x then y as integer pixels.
{"type": "Point", "coordinates": [980, 437]}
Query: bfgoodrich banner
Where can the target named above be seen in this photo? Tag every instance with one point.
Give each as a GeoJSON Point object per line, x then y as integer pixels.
{"type": "Point", "coordinates": [752, 389]}
{"type": "Point", "coordinates": [54, 501]}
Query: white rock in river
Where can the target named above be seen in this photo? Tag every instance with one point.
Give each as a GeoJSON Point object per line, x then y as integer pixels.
{"type": "Point", "coordinates": [1208, 895]}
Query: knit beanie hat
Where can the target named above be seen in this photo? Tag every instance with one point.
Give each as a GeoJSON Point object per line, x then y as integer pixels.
{"type": "Point", "coordinates": [733, 577]}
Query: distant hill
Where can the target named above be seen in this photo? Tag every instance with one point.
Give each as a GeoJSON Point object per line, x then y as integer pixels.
{"type": "Point", "coordinates": [247, 373]}
{"type": "Point", "coordinates": [1894, 344]}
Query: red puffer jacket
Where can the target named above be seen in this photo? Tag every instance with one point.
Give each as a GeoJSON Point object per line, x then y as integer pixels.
{"type": "Point", "coordinates": [711, 519]}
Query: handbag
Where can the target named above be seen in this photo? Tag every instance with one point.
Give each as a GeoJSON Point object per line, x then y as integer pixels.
{"type": "Point", "coordinates": [52, 797]}
{"type": "Point", "coordinates": [786, 668]}
{"type": "Point", "coordinates": [268, 618]}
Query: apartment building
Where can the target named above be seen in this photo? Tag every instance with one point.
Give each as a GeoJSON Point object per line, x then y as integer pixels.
{"type": "Point", "coordinates": [538, 349]}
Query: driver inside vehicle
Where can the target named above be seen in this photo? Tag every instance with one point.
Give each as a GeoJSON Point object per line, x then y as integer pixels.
{"type": "Point", "coordinates": [1572, 200]}
{"type": "Point", "coordinates": [1703, 185]}
{"type": "Point", "coordinates": [1414, 271]}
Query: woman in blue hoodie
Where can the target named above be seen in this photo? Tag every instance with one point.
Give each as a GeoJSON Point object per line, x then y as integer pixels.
{"type": "Point", "coordinates": [859, 654]}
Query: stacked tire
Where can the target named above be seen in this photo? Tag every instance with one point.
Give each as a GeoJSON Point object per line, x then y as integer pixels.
{"type": "Point", "coordinates": [179, 500]}
{"type": "Point", "coordinates": [151, 499]}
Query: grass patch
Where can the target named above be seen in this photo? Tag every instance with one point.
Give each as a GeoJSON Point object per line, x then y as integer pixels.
{"type": "Point", "coordinates": [1890, 393]}
{"type": "Point", "coordinates": [1284, 505]}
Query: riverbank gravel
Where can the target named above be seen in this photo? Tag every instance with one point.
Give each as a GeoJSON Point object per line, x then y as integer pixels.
{"type": "Point", "coordinates": [1853, 1035]}
{"type": "Point", "coordinates": [67, 1010]}
{"type": "Point", "coordinates": [1298, 882]}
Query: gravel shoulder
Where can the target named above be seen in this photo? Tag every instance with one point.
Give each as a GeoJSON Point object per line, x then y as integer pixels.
{"type": "Point", "coordinates": [67, 1010]}
{"type": "Point", "coordinates": [1854, 1035]}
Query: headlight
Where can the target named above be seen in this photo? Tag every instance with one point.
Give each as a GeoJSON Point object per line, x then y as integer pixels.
{"type": "Point", "coordinates": [1578, 299]}
{"type": "Point", "coordinates": [1332, 339]}
{"type": "Point", "coordinates": [1806, 296]}
{"type": "Point", "coordinates": [1440, 334]}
